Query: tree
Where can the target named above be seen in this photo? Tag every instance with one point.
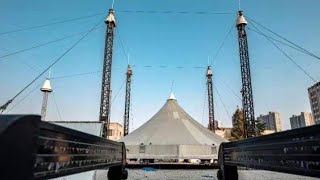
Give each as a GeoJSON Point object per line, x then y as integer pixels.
{"type": "Point", "coordinates": [238, 122]}
{"type": "Point", "coordinates": [260, 128]}
{"type": "Point", "coordinates": [237, 132]}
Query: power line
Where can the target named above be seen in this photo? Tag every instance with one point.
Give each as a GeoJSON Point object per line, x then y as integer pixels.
{"type": "Point", "coordinates": [55, 102]}
{"type": "Point", "coordinates": [3, 107]}
{"type": "Point", "coordinates": [122, 46]}
{"type": "Point", "coordinates": [288, 57]}
{"type": "Point", "coordinates": [50, 24]}
{"type": "Point", "coordinates": [131, 105]}
{"type": "Point", "coordinates": [204, 103]}
{"type": "Point", "coordinates": [303, 49]}
{"type": "Point", "coordinates": [146, 66]}
{"type": "Point", "coordinates": [168, 67]}
{"type": "Point", "coordinates": [218, 114]}
{"type": "Point", "coordinates": [224, 40]}
{"type": "Point", "coordinates": [79, 74]}
{"type": "Point", "coordinates": [24, 62]}
{"type": "Point", "coordinates": [233, 92]}
{"type": "Point", "coordinates": [44, 44]}
{"type": "Point", "coordinates": [295, 48]}
{"type": "Point", "coordinates": [118, 92]}
{"type": "Point", "coordinates": [36, 87]}
{"type": "Point", "coordinates": [174, 12]}
{"type": "Point", "coordinates": [224, 106]}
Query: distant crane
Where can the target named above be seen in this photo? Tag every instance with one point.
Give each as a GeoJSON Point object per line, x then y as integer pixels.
{"type": "Point", "coordinates": [127, 103]}
{"type": "Point", "coordinates": [210, 99]}
{"type": "Point", "coordinates": [105, 105]}
{"type": "Point", "coordinates": [46, 89]}
{"type": "Point", "coordinates": [247, 98]}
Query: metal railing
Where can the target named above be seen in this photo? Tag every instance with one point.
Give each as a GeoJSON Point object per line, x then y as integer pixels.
{"type": "Point", "coordinates": [295, 151]}
{"type": "Point", "coordinates": [34, 149]}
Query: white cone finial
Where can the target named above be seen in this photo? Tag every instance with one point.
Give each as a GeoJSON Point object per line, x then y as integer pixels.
{"type": "Point", "coordinates": [111, 17]}
{"type": "Point", "coordinates": [171, 97]}
{"type": "Point", "coordinates": [241, 19]}
{"type": "Point", "coordinates": [46, 86]}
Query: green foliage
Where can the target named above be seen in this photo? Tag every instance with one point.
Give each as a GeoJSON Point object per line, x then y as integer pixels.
{"type": "Point", "coordinates": [237, 132]}
{"type": "Point", "coordinates": [260, 128]}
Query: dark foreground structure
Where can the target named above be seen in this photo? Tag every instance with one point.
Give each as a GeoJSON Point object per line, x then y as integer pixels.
{"type": "Point", "coordinates": [34, 149]}
{"type": "Point", "coordinates": [296, 152]}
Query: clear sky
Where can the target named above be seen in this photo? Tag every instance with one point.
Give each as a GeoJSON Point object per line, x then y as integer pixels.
{"type": "Point", "coordinates": [158, 39]}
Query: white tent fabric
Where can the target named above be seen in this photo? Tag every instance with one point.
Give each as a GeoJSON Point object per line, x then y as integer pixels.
{"type": "Point", "coordinates": [172, 133]}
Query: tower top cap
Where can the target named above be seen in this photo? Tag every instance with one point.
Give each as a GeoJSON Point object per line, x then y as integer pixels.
{"type": "Point", "coordinates": [111, 17]}
{"type": "Point", "coordinates": [209, 71]}
{"type": "Point", "coordinates": [46, 86]}
{"type": "Point", "coordinates": [241, 19]}
{"type": "Point", "coordinates": [129, 70]}
{"type": "Point", "coordinates": [171, 97]}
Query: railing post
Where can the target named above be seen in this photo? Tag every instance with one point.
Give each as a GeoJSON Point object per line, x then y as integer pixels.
{"type": "Point", "coordinates": [119, 172]}
{"type": "Point", "coordinates": [17, 143]}
{"type": "Point", "coordinates": [294, 151]}
{"type": "Point", "coordinates": [226, 172]}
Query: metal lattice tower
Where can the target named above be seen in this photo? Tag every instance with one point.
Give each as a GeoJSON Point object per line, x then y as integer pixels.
{"type": "Point", "coordinates": [127, 103]}
{"type": "Point", "coordinates": [46, 89]}
{"type": "Point", "coordinates": [210, 99]}
{"type": "Point", "coordinates": [247, 98]}
{"type": "Point", "coordinates": [105, 105]}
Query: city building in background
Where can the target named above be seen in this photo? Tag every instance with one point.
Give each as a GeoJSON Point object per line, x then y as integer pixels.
{"type": "Point", "coordinates": [302, 120]}
{"type": "Point", "coordinates": [115, 131]}
{"type": "Point", "coordinates": [272, 121]}
{"type": "Point", "coordinates": [93, 127]}
{"type": "Point", "coordinates": [314, 97]}
{"type": "Point", "coordinates": [217, 124]}
{"type": "Point", "coordinates": [224, 132]}
{"type": "Point", "coordinates": [266, 132]}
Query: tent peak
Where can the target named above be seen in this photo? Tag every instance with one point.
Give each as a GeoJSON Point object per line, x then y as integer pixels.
{"type": "Point", "coordinates": [171, 97]}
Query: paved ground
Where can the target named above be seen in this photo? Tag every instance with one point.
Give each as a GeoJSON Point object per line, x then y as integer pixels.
{"type": "Point", "coordinates": [135, 174]}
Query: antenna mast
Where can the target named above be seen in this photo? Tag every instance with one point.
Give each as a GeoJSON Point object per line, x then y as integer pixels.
{"type": "Point", "coordinates": [106, 74]}
{"type": "Point", "coordinates": [247, 98]}
{"type": "Point", "coordinates": [46, 89]}
{"type": "Point", "coordinates": [210, 99]}
{"type": "Point", "coordinates": [127, 103]}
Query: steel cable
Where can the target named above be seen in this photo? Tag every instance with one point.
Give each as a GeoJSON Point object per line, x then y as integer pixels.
{"type": "Point", "coordinates": [3, 107]}
{"type": "Point", "coordinates": [44, 44]}
{"type": "Point", "coordinates": [285, 54]}
{"type": "Point", "coordinates": [49, 24]}
{"type": "Point", "coordinates": [301, 48]}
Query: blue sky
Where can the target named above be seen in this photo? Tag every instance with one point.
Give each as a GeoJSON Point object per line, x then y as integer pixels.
{"type": "Point", "coordinates": [158, 39]}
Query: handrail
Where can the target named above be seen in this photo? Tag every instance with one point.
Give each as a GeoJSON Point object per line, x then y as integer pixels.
{"type": "Point", "coordinates": [34, 149]}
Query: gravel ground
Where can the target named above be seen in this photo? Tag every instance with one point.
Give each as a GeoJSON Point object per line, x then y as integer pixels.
{"type": "Point", "coordinates": [137, 174]}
